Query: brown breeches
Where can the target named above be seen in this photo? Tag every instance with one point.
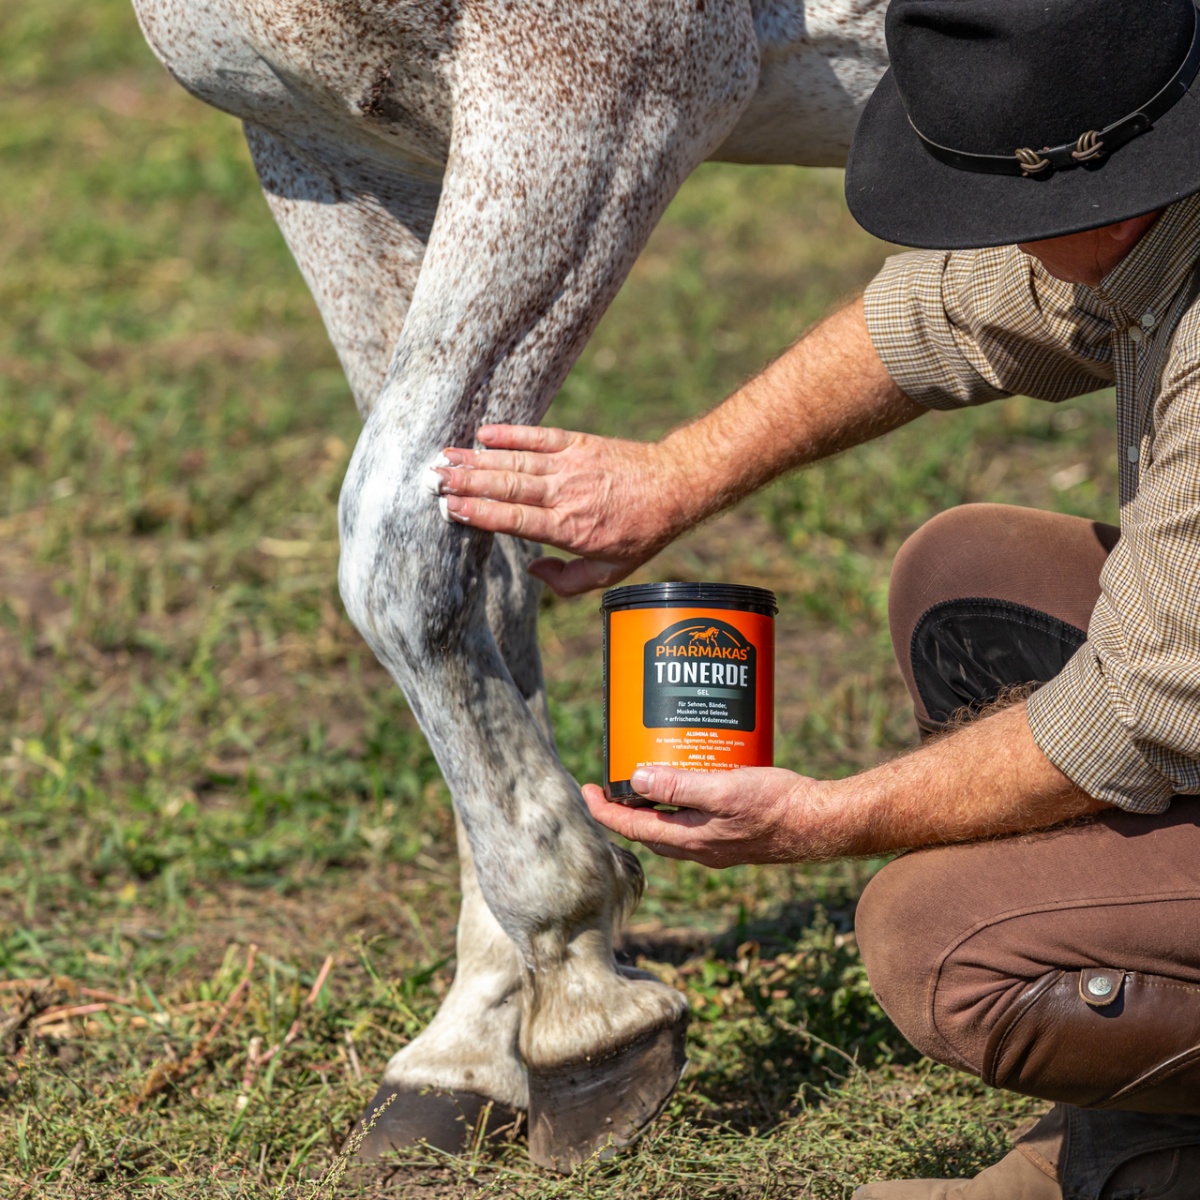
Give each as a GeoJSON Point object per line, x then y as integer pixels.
{"type": "Point", "coordinates": [1064, 964]}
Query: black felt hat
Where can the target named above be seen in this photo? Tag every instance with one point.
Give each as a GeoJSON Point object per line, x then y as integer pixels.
{"type": "Point", "coordinates": [1005, 121]}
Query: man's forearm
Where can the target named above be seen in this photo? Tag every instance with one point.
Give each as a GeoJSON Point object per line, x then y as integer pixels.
{"type": "Point", "coordinates": [988, 778]}
{"type": "Point", "coordinates": [828, 392]}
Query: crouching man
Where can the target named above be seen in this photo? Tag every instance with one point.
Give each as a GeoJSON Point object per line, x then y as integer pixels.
{"type": "Point", "coordinates": [1050, 154]}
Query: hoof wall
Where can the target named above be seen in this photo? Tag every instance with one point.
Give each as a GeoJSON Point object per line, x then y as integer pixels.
{"type": "Point", "coordinates": [447, 1120]}
{"type": "Point", "coordinates": [597, 1106]}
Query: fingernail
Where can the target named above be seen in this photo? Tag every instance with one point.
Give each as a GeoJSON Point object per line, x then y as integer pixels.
{"type": "Point", "coordinates": [454, 509]}
{"type": "Point", "coordinates": [454, 457]}
{"type": "Point", "coordinates": [447, 487]}
{"type": "Point", "coordinates": [642, 780]}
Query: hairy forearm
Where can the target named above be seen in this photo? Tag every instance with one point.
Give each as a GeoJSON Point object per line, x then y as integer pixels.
{"type": "Point", "coordinates": [828, 392]}
{"type": "Point", "coordinates": [988, 778]}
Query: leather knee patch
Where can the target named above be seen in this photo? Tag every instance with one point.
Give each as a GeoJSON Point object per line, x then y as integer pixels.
{"type": "Point", "coordinates": [964, 653]}
{"type": "Point", "coordinates": [1101, 1038]}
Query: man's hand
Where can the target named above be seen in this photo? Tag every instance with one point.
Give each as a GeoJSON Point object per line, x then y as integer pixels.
{"type": "Point", "coordinates": [615, 503]}
{"type": "Point", "coordinates": [752, 815]}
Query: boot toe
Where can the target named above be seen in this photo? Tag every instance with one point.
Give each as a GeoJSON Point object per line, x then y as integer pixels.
{"type": "Point", "coordinates": [907, 1189]}
{"type": "Point", "coordinates": [1014, 1177]}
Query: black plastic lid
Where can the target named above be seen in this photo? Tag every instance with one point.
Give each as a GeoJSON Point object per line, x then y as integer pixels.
{"type": "Point", "coordinates": [691, 595]}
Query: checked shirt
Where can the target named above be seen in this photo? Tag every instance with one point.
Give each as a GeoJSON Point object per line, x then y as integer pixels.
{"type": "Point", "coordinates": [964, 327]}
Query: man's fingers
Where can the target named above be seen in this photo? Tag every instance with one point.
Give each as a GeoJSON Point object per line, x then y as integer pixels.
{"type": "Point", "coordinates": [705, 791]}
{"type": "Point", "coordinates": [524, 437]}
{"type": "Point", "coordinates": [535, 524]}
{"type": "Point", "coordinates": [525, 461]}
{"type": "Point", "coordinates": [513, 486]}
{"type": "Point", "coordinates": [656, 829]}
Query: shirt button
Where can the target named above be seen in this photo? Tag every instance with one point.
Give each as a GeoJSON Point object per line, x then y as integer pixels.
{"type": "Point", "coordinates": [1147, 320]}
{"type": "Point", "coordinates": [1131, 453]}
{"type": "Point", "coordinates": [1135, 334]}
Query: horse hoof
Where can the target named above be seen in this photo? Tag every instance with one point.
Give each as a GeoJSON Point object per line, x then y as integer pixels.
{"type": "Point", "coordinates": [594, 1107]}
{"type": "Point", "coordinates": [447, 1120]}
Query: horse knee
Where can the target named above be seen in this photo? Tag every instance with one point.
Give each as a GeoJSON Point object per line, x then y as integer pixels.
{"type": "Point", "coordinates": [408, 578]}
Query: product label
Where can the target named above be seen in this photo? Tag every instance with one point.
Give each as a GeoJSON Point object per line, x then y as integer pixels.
{"type": "Point", "coordinates": [700, 674]}
{"type": "Point", "coordinates": [688, 687]}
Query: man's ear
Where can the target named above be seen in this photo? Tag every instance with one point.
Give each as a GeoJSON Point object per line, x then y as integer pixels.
{"type": "Point", "coordinates": [1125, 233]}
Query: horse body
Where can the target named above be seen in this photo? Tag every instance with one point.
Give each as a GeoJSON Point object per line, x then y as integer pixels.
{"type": "Point", "coordinates": [464, 185]}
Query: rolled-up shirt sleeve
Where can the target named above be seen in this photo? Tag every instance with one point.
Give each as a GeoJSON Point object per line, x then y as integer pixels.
{"type": "Point", "coordinates": [959, 328]}
{"type": "Point", "coordinates": [1122, 720]}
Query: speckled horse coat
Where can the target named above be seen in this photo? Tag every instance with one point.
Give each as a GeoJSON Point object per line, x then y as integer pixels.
{"type": "Point", "coordinates": [465, 184]}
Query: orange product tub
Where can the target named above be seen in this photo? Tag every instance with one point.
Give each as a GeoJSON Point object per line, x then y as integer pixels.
{"type": "Point", "coordinates": [689, 679]}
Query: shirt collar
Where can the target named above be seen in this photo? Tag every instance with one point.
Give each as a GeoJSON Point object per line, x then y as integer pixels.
{"type": "Point", "coordinates": [1152, 272]}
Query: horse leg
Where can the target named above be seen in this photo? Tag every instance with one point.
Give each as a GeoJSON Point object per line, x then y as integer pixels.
{"type": "Point", "coordinates": [439, 1086]}
{"type": "Point", "coordinates": [568, 143]}
{"type": "Point", "coordinates": [359, 239]}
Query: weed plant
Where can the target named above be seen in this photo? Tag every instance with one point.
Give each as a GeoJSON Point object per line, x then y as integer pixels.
{"type": "Point", "coordinates": [208, 789]}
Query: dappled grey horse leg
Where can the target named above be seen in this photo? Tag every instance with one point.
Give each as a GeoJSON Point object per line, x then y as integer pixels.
{"type": "Point", "coordinates": [564, 130]}
{"type": "Point", "coordinates": [359, 240]}
{"type": "Point", "coordinates": [544, 207]}
{"type": "Point", "coordinates": [463, 1074]}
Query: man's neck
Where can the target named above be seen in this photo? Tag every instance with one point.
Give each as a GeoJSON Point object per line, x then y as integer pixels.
{"type": "Point", "coordinates": [1089, 256]}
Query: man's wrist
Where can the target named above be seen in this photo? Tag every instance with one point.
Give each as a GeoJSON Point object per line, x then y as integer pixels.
{"type": "Point", "coordinates": [684, 482]}
{"type": "Point", "coordinates": [815, 820]}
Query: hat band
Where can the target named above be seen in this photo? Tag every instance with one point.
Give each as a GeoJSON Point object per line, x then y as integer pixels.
{"type": "Point", "coordinates": [1089, 146]}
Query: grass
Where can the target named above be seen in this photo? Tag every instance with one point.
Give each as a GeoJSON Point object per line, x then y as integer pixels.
{"type": "Point", "coordinates": [208, 785]}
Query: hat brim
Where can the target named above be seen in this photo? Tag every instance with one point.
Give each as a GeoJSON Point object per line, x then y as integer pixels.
{"type": "Point", "coordinates": [899, 192]}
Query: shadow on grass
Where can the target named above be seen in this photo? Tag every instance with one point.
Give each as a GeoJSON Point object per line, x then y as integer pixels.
{"type": "Point", "coordinates": [782, 1012]}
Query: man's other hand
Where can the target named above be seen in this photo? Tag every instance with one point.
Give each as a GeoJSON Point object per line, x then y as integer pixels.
{"type": "Point", "coordinates": [751, 815]}
{"type": "Point", "coordinates": [613, 502]}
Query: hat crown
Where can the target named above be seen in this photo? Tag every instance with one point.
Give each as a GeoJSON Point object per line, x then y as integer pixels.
{"type": "Point", "coordinates": [989, 77]}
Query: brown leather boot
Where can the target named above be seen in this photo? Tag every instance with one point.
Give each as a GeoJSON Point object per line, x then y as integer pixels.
{"type": "Point", "coordinates": [1014, 1177]}
{"type": "Point", "coordinates": [1077, 1154]}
